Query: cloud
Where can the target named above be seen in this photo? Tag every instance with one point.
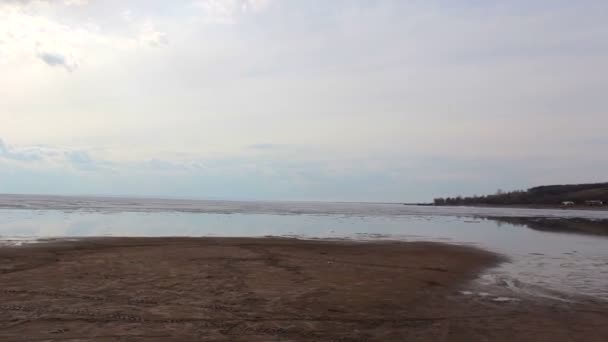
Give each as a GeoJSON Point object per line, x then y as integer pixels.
{"type": "Point", "coordinates": [227, 11]}
{"type": "Point", "coordinates": [152, 37]}
{"type": "Point", "coordinates": [127, 15]}
{"type": "Point", "coordinates": [48, 2]}
{"type": "Point", "coordinates": [60, 37]}
{"type": "Point", "coordinates": [48, 157]}
{"type": "Point", "coordinates": [57, 60]}
{"type": "Point", "coordinates": [81, 160]}
{"type": "Point", "coordinates": [156, 164]}
{"type": "Point", "coordinates": [256, 5]}
{"type": "Point", "coordinates": [6, 152]}
{"type": "Point", "coordinates": [79, 157]}
{"type": "Point", "coordinates": [263, 146]}
{"type": "Point", "coordinates": [268, 176]}
{"type": "Point", "coordinates": [75, 2]}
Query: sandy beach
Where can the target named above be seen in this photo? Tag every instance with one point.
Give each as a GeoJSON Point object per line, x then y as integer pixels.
{"type": "Point", "coordinates": [267, 289]}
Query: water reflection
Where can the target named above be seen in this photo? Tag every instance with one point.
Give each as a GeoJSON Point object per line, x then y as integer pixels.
{"type": "Point", "coordinates": [561, 225]}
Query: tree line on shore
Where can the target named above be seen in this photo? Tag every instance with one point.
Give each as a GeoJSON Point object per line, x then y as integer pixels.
{"type": "Point", "coordinates": [540, 195]}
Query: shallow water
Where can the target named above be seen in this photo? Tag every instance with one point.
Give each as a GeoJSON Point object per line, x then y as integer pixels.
{"type": "Point", "coordinates": [540, 263]}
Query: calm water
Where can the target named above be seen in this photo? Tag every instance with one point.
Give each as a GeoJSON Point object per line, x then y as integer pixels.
{"type": "Point", "coordinates": [540, 263]}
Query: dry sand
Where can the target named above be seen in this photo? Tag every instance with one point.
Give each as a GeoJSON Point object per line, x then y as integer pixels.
{"type": "Point", "coordinates": [211, 289]}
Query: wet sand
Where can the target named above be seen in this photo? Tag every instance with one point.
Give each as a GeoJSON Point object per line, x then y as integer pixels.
{"type": "Point", "coordinates": [245, 289]}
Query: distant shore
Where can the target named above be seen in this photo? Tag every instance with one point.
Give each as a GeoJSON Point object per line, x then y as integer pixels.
{"type": "Point", "coordinates": [260, 289]}
{"type": "Point", "coordinates": [574, 225]}
{"type": "Point", "coordinates": [518, 206]}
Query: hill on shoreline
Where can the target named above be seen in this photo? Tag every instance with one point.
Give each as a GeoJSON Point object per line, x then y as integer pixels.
{"type": "Point", "coordinates": [540, 195]}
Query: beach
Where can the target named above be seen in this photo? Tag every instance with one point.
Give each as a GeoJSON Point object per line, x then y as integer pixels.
{"type": "Point", "coordinates": [268, 289]}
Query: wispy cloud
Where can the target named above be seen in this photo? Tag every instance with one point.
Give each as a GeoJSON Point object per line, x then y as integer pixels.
{"type": "Point", "coordinates": [9, 153]}
{"type": "Point", "coordinates": [82, 160]}
{"type": "Point", "coordinates": [268, 176]}
{"type": "Point", "coordinates": [48, 158]}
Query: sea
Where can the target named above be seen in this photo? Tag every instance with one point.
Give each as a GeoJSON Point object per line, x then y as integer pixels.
{"type": "Point", "coordinates": [554, 265]}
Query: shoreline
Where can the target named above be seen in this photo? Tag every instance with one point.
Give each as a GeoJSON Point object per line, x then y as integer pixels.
{"type": "Point", "coordinates": [260, 289]}
{"type": "Point", "coordinates": [518, 206]}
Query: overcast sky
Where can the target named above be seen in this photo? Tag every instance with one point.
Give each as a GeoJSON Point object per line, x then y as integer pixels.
{"type": "Point", "coordinates": [301, 100]}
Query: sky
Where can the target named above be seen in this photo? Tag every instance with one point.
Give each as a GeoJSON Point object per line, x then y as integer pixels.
{"type": "Point", "coordinates": [348, 100]}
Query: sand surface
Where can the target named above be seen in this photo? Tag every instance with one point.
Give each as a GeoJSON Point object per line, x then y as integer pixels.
{"type": "Point", "coordinates": [212, 289]}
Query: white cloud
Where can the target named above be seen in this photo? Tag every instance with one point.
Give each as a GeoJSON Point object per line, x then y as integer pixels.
{"type": "Point", "coordinates": [228, 11]}
{"type": "Point", "coordinates": [50, 158]}
{"type": "Point", "coordinates": [256, 5]}
{"type": "Point", "coordinates": [27, 34]}
{"type": "Point", "coordinates": [31, 31]}
{"type": "Point", "coordinates": [149, 35]}
{"type": "Point", "coordinates": [76, 2]}
{"type": "Point", "coordinates": [127, 15]}
{"type": "Point", "coordinates": [12, 154]}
